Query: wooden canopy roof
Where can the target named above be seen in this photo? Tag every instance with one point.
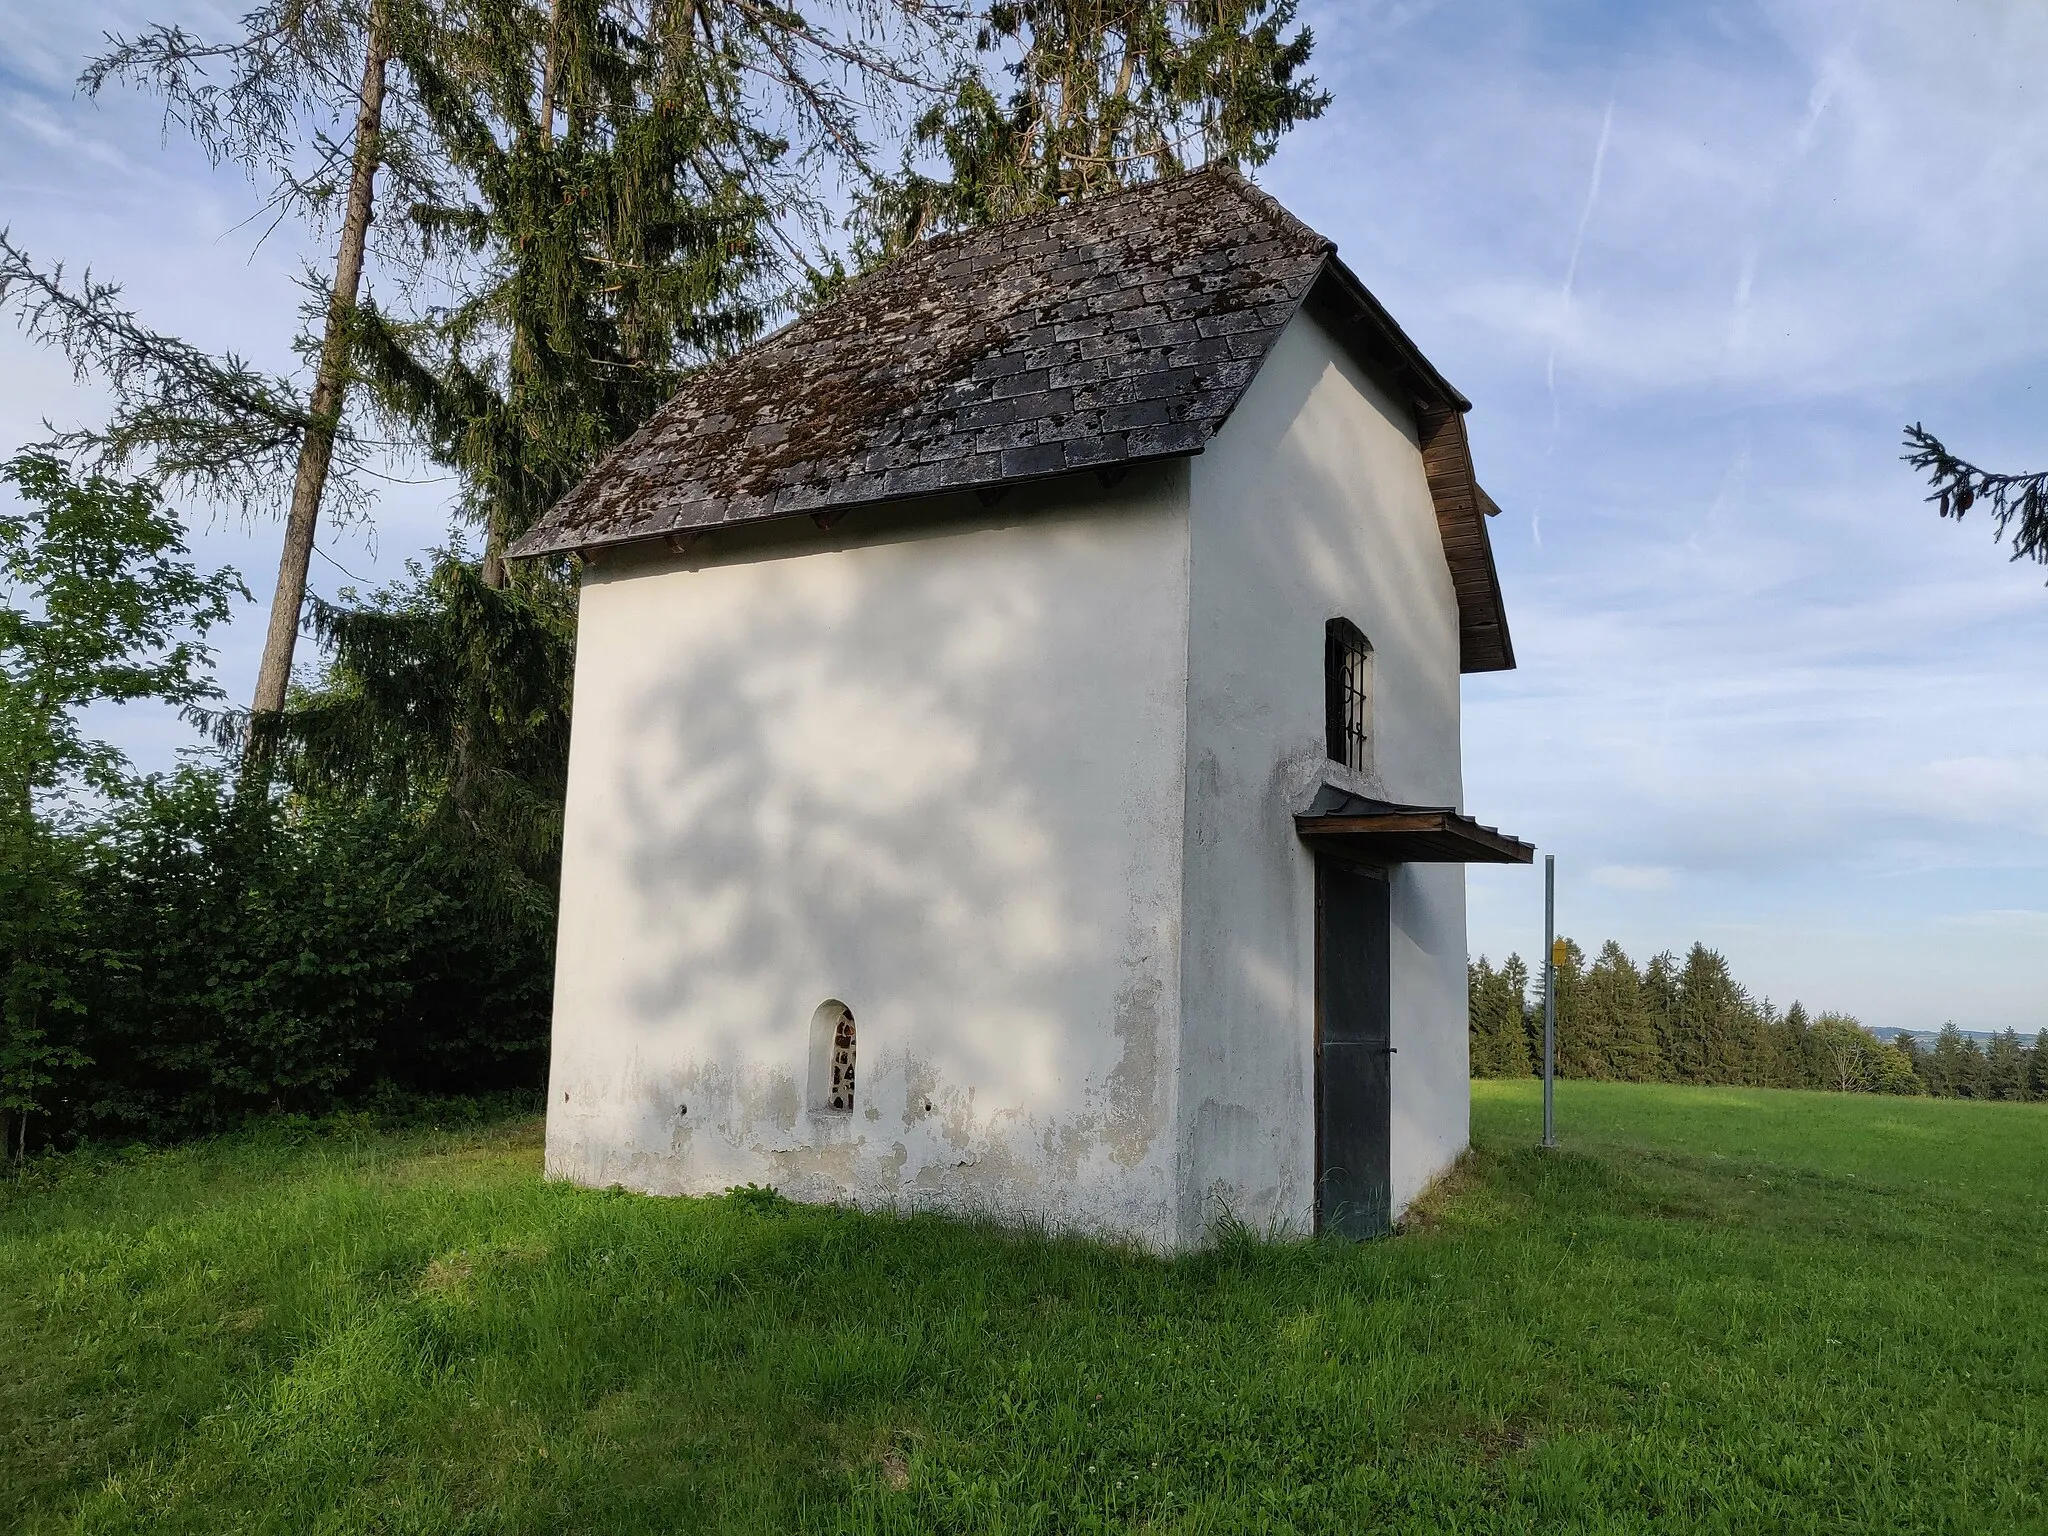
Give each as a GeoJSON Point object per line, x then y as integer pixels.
{"type": "Point", "coordinates": [1381, 832]}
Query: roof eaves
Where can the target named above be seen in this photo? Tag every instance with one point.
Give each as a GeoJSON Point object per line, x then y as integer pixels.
{"type": "Point", "coordinates": [1484, 644]}
{"type": "Point", "coordinates": [827, 514]}
{"type": "Point", "coordinates": [1389, 355]}
{"type": "Point", "coordinates": [1380, 343]}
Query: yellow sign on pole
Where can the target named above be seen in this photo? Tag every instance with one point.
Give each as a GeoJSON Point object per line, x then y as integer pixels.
{"type": "Point", "coordinates": [1559, 953]}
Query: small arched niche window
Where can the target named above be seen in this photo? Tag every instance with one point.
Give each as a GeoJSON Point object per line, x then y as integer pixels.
{"type": "Point", "coordinates": [1347, 694]}
{"type": "Point", "coordinates": [832, 1059]}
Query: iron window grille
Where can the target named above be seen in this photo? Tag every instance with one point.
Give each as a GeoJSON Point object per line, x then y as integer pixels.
{"type": "Point", "coordinates": [832, 1048]}
{"type": "Point", "coordinates": [842, 1063]}
{"type": "Point", "coordinates": [1347, 694]}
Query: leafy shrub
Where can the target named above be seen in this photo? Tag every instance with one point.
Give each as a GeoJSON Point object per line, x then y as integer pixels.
{"type": "Point", "coordinates": [247, 953]}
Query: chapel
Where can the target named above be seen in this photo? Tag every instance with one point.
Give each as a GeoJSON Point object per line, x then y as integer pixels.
{"type": "Point", "coordinates": [1016, 760]}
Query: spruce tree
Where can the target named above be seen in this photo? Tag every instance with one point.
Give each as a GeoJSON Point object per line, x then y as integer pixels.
{"type": "Point", "coordinates": [632, 183]}
{"type": "Point", "coordinates": [1478, 982]}
{"type": "Point", "coordinates": [1972, 1076]}
{"type": "Point", "coordinates": [1717, 1024]}
{"type": "Point", "coordinates": [1581, 1052]}
{"type": "Point", "coordinates": [599, 263]}
{"type": "Point", "coordinates": [1521, 1027]}
{"type": "Point", "coordinates": [1099, 94]}
{"type": "Point", "coordinates": [605, 259]}
{"type": "Point", "coordinates": [1797, 1050]}
{"type": "Point", "coordinates": [1623, 1043]}
{"type": "Point", "coordinates": [1767, 1066]}
{"type": "Point", "coordinates": [2037, 1069]}
{"type": "Point", "coordinates": [451, 699]}
{"type": "Point", "coordinates": [1660, 1001]}
{"type": "Point", "coordinates": [1955, 1067]}
{"type": "Point", "coordinates": [1931, 1063]}
{"type": "Point", "coordinates": [1495, 1030]}
{"type": "Point", "coordinates": [2005, 1067]}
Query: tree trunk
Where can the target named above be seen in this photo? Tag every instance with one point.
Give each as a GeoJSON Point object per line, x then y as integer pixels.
{"type": "Point", "coordinates": [548, 71]}
{"type": "Point", "coordinates": [495, 573]}
{"type": "Point", "coordinates": [329, 386]}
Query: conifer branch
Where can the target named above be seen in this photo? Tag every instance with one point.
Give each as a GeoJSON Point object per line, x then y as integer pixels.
{"type": "Point", "coordinates": [1960, 485]}
{"type": "Point", "coordinates": [212, 424]}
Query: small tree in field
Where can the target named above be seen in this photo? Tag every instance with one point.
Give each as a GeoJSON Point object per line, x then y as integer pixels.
{"type": "Point", "coordinates": [101, 606]}
{"type": "Point", "coordinates": [1843, 1050]}
{"type": "Point", "coordinates": [1891, 1070]}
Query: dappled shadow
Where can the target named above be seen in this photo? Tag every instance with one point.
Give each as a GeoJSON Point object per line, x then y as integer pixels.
{"type": "Point", "coordinates": [929, 769]}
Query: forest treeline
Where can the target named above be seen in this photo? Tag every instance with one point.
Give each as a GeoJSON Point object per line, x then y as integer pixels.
{"type": "Point", "coordinates": [533, 219]}
{"type": "Point", "coordinates": [1689, 1021]}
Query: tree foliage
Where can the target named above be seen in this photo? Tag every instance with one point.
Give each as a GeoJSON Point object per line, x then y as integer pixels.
{"type": "Point", "coordinates": [277, 98]}
{"type": "Point", "coordinates": [1070, 98]}
{"type": "Point", "coordinates": [598, 265]}
{"type": "Point", "coordinates": [102, 606]}
{"type": "Point", "coordinates": [213, 425]}
{"type": "Point", "coordinates": [2018, 503]}
{"type": "Point", "coordinates": [449, 699]}
{"type": "Point", "coordinates": [1690, 1021]}
{"type": "Point", "coordinates": [250, 954]}
{"type": "Point", "coordinates": [1500, 1046]}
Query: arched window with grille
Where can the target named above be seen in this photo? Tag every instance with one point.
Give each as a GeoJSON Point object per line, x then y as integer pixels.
{"type": "Point", "coordinates": [1347, 694]}
{"type": "Point", "coordinates": [832, 1058]}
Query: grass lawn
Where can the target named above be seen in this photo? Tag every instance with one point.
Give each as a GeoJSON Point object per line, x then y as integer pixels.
{"type": "Point", "coordinates": [1715, 1310]}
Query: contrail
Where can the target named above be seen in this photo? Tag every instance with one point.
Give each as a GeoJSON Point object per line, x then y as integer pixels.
{"type": "Point", "coordinates": [1571, 271]}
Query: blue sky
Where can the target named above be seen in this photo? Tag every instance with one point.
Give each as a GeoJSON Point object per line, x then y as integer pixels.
{"type": "Point", "coordinates": [1696, 265]}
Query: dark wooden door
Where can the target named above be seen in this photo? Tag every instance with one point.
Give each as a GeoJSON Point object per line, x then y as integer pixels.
{"type": "Point", "coordinates": [1354, 1194]}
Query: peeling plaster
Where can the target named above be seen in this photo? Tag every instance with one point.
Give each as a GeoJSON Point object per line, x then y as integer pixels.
{"type": "Point", "coordinates": [1132, 1124]}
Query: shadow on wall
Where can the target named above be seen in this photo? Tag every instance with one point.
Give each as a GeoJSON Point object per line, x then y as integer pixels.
{"type": "Point", "coordinates": [934, 778]}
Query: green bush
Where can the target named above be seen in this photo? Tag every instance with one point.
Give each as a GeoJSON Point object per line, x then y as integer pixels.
{"type": "Point", "coordinates": [256, 954]}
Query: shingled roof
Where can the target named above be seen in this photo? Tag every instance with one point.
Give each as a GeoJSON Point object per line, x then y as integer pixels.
{"type": "Point", "coordinates": [1097, 336]}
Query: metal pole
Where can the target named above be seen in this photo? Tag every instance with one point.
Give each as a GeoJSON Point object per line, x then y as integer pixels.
{"type": "Point", "coordinates": [1549, 998]}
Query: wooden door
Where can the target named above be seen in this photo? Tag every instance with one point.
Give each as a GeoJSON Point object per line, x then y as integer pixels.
{"type": "Point", "coordinates": [1354, 1106]}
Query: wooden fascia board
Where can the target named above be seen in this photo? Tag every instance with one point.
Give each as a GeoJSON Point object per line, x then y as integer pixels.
{"type": "Point", "coordinates": [1484, 644]}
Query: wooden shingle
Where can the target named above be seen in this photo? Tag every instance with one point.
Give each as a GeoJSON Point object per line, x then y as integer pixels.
{"type": "Point", "coordinates": [1093, 337]}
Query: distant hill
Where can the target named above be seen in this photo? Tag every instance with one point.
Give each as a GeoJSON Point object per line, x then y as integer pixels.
{"type": "Point", "coordinates": [1983, 1037]}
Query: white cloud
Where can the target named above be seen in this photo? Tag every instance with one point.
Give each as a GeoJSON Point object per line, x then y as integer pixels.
{"type": "Point", "coordinates": [36, 120]}
{"type": "Point", "coordinates": [1635, 877]}
{"type": "Point", "coordinates": [2022, 920]}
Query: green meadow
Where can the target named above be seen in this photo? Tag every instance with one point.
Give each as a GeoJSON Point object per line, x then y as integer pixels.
{"type": "Point", "coordinates": [1712, 1310]}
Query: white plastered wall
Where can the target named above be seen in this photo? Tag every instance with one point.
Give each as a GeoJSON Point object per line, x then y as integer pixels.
{"type": "Point", "coordinates": [928, 765]}
{"type": "Point", "coordinates": [1311, 503]}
